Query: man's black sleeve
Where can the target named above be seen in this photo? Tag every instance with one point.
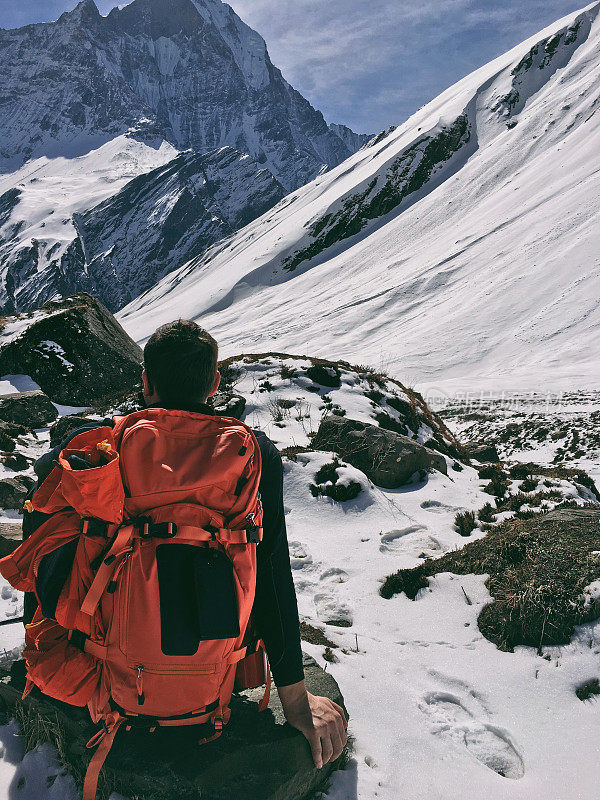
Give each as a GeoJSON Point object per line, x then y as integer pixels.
{"type": "Point", "coordinates": [275, 609]}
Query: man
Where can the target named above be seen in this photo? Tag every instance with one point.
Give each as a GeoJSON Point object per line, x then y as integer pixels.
{"type": "Point", "coordinates": [180, 372]}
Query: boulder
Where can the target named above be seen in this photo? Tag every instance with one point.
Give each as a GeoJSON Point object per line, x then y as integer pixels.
{"type": "Point", "coordinates": [64, 426]}
{"type": "Point", "coordinates": [258, 757]}
{"type": "Point", "coordinates": [13, 491]}
{"type": "Point", "coordinates": [29, 409]}
{"type": "Point", "coordinates": [16, 461]}
{"type": "Point", "coordinates": [324, 375]}
{"type": "Point", "coordinates": [389, 459]}
{"type": "Point", "coordinates": [486, 453]}
{"type": "Point", "coordinates": [74, 349]}
{"type": "Point", "coordinates": [11, 536]}
{"type": "Point", "coordinates": [228, 404]}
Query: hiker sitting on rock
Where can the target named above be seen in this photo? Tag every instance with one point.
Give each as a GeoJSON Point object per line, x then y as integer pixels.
{"type": "Point", "coordinates": [200, 519]}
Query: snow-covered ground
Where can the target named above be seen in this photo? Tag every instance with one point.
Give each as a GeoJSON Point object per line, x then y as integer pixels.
{"type": "Point", "coordinates": [437, 711]}
{"type": "Point", "coordinates": [486, 277]}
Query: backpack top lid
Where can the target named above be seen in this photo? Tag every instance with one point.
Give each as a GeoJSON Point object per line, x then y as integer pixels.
{"type": "Point", "coordinates": [183, 458]}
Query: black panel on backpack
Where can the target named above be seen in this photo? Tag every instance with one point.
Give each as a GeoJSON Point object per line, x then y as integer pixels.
{"type": "Point", "coordinates": [52, 574]}
{"type": "Point", "coordinates": [198, 599]}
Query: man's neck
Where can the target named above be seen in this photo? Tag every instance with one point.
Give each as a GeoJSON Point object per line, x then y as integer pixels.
{"type": "Point", "coordinates": [194, 407]}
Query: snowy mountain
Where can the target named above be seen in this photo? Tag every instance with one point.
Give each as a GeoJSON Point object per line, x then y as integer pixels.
{"type": "Point", "coordinates": [88, 103]}
{"type": "Point", "coordinates": [191, 68]}
{"type": "Point", "coordinates": [459, 250]}
{"type": "Point", "coordinates": [125, 243]}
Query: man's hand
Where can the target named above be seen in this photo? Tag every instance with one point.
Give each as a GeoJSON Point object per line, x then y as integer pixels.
{"type": "Point", "coordinates": [321, 720]}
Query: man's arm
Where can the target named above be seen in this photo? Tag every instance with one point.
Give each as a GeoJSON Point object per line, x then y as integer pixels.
{"type": "Point", "coordinates": [276, 616]}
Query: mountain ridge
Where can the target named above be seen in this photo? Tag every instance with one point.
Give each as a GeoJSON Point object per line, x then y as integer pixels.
{"type": "Point", "coordinates": [483, 229]}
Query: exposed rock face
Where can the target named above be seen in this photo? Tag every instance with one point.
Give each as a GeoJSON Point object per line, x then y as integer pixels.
{"type": "Point", "coordinates": [74, 349]}
{"type": "Point", "coordinates": [158, 78]}
{"type": "Point", "coordinates": [29, 409]}
{"type": "Point", "coordinates": [158, 221]}
{"type": "Point", "coordinates": [482, 452]}
{"type": "Point", "coordinates": [13, 491]}
{"type": "Point", "coordinates": [389, 459]}
{"type": "Point", "coordinates": [191, 69]}
{"type": "Point", "coordinates": [258, 757]}
{"type": "Point", "coordinates": [64, 426]}
{"type": "Point", "coordinates": [228, 404]}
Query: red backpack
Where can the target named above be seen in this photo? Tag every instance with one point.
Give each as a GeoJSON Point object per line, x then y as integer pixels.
{"type": "Point", "coordinates": [145, 574]}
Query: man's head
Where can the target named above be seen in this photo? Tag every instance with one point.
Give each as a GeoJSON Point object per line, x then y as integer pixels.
{"type": "Point", "coordinates": [180, 364]}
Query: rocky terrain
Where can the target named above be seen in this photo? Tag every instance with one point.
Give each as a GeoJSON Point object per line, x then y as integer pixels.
{"type": "Point", "coordinates": [400, 536]}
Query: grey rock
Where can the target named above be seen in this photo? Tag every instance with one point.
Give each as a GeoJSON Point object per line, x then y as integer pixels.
{"type": "Point", "coordinates": [29, 409]}
{"type": "Point", "coordinates": [11, 536]}
{"type": "Point", "coordinates": [16, 461]}
{"type": "Point", "coordinates": [13, 491]}
{"type": "Point", "coordinates": [158, 221]}
{"type": "Point", "coordinates": [482, 452]}
{"type": "Point", "coordinates": [75, 350]}
{"type": "Point", "coordinates": [65, 425]}
{"type": "Point", "coordinates": [389, 459]}
{"type": "Point", "coordinates": [324, 376]}
{"type": "Point", "coordinates": [228, 404]}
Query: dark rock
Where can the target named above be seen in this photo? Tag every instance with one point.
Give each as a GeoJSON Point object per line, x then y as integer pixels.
{"type": "Point", "coordinates": [227, 404]}
{"type": "Point", "coordinates": [76, 351]}
{"type": "Point", "coordinates": [258, 757]}
{"type": "Point", "coordinates": [28, 409]}
{"type": "Point", "coordinates": [325, 376]}
{"type": "Point", "coordinates": [11, 536]}
{"type": "Point", "coordinates": [64, 426]}
{"type": "Point", "coordinates": [482, 452]}
{"type": "Point", "coordinates": [6, 442]}
{"type": "Point", "coordinates": [13, 491]}
{"type": "Point", "coordinates": [387, 458]}
{"type": "Point", "coordinates": [16, 461]}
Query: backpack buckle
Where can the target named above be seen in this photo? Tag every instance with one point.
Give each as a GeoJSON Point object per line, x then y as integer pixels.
{"type": "Point", "coordinates": [162, 530]}
{"type": "Point", "coordinates": [253, 535]}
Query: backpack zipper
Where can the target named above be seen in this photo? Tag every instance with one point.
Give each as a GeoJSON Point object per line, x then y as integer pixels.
{"type": "Point", "coordinates": [139, 684]}
{"type": "Point", "coordinates": [112, 585]}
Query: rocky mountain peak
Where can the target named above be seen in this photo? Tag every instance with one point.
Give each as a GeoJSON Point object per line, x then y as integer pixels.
{"type": "Point", "coordinates": [85, 11]}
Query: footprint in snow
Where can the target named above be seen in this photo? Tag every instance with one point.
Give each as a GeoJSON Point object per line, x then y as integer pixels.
{"type": "Point", "coordinates": [331, 611]}
{"type": "Point", "coordinates": [488, 744]}
{"type": "Point", "coordinates": [300, 558]}
{"type": "Point", "coordinates": [334, 575]}
{"type": "Point", "coordinates": [436, 507]}
{"type": "Point", "coordinates": [391, 539]}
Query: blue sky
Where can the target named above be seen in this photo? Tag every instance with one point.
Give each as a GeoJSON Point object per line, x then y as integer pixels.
{"type": "Point", "coordinates": [367, 63]}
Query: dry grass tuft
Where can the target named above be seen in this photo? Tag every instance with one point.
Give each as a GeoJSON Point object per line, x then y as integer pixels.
{"type": "Point", "coordinates": [538, 569]}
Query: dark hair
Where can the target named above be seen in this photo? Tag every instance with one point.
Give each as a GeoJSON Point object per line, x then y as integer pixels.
{"type": "Point", "coordinates": [180, 359]}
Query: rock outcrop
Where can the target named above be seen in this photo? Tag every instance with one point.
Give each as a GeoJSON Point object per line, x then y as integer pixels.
{"type": "Point", "coordinates": [389, 459]}
{"type": "Point", "coordinates": [74, 349]}
{"type": "Point", "coordinates": [13, 491]}
{"type": "Point", "coordinates": [27, 409]}
{"type": "Point", "coordinates": [64, 426]}
{"type": "Point", "coordinates": [483, 452]}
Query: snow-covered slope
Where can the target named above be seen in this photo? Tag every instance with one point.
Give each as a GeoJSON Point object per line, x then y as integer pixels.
{"type": "Point", "coordinates": [117, 248]}
{"type": "Point", "coordinates": [460, 251]}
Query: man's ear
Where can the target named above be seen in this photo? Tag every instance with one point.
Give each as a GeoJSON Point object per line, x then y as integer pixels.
{"type": "Point", "coordinates": [147, 388]}
{"type": "Point", "coordinates": [215, 384]}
